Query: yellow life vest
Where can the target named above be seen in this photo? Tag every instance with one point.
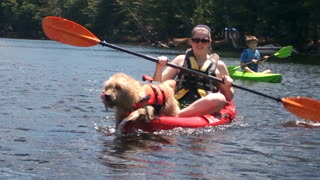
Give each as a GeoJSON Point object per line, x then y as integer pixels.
{"type": "Point", "coordinates": [187, 81]}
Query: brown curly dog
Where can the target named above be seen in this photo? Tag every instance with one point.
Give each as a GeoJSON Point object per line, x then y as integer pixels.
{"type": "Point", "coordinates": [133, 101]}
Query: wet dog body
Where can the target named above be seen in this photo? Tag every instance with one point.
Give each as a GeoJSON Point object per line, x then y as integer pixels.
{"type": "Point", "coordinates": [133, 101]}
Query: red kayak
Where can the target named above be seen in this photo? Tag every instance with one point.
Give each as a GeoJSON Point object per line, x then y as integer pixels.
{"type": "Point", "coordinates": [225, 116]}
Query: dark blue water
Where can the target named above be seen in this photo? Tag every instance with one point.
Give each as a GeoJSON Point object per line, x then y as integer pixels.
{"type": "Point", "coordinates": [53, 125]}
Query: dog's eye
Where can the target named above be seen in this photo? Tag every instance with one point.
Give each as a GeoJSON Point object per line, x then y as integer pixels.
{"type": "Point", "coordinates": [117, 87]}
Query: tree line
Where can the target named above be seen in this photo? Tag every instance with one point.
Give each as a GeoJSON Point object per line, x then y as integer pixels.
{"type": "Point", "coordinates": [281, 21]}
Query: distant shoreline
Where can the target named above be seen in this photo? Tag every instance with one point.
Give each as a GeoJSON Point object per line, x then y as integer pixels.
{"type": "Point", "coordinates": [223, 51]}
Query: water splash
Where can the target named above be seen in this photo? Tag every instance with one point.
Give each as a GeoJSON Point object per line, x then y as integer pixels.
{"type": "Point", "coordinates": [301, 123]}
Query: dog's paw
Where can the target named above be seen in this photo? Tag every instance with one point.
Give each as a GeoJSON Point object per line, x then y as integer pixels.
{"type": "Point", "coordinates": [120, 128]}
{"type": "Point", "coordinates": [131, 117]}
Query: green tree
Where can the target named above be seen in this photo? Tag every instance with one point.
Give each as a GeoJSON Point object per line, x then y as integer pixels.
{"type": "Point", "coordinates": [282, 21]}
{"type": "Point", "coordinates": [8, 15]}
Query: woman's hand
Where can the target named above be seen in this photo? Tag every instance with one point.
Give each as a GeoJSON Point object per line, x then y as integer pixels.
{"type": "Point", "coordinates": [227, 80]}
{"type": "Point", "coordinates": [226, 88]}
{"type": "Point", "coordinates": [162, 61]}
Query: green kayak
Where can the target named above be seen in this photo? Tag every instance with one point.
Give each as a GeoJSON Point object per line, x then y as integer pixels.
{"type": "Point", "coordinates": [268, 77]}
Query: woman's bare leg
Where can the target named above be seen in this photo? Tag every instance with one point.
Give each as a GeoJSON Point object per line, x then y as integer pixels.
{"type": "Point", "coordinates": [210, 104]}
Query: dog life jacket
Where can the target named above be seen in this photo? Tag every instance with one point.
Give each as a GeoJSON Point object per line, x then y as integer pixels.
{"type": "Point", "coordinates": [156, 96]}
{"type": "Point", "coordinates": [200, 85]}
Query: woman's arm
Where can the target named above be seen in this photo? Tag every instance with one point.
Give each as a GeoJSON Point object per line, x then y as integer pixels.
{"type": "Point", "coordinates": [226, 89]}
{"type": "Point", "coordinates": [169, 72]}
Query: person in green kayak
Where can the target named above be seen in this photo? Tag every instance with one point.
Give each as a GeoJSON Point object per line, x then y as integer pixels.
{"type": "Point", "coordinates": [252, 56]}
{"type": "Point", "coordinates": [197, 95]}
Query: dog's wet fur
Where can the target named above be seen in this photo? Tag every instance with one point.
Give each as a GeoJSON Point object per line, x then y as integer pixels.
{"type": "Point", "coordinates": [121, 92]}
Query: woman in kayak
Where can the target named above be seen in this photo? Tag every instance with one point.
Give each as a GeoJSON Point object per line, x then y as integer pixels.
{"type": "Point", "coordinates": [252, 54]}
{"type": "Point", "coordinates": [197, 95]}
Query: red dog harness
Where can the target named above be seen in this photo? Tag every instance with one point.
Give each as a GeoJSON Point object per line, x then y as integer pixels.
{"type": "Point", "coordinates": [156, 96]}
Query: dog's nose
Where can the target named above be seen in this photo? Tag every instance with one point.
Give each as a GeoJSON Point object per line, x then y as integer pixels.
{"type": "Point", "coordinates": [107, 97]}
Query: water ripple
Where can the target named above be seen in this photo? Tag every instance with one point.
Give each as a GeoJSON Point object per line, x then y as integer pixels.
{"type": "Point", "coordinates": [54, 126]}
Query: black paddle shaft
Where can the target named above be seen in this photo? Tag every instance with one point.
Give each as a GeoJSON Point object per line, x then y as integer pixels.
{"type": "Point", "coordinates": [150, 58]}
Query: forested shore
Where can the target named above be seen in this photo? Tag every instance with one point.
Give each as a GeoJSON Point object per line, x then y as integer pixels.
{"type": "Point", "coordinates": [162, 22]}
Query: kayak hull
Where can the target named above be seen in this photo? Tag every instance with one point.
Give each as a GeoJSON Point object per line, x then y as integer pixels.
{"type": "Point", "coordinates": [225, 116]}
{"type": "Point", "coordinates": [261, 77]}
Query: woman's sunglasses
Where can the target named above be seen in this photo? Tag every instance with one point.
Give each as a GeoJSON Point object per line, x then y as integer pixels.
{"type": "Point", "coordinates": [197, 40]}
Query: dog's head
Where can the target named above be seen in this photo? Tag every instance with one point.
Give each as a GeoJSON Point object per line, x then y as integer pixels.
{"type": "Point", "coordinates": [120, 90]}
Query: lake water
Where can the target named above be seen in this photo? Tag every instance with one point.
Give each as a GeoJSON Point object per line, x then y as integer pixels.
{"type": "Point", "coordinates": [53, 125]}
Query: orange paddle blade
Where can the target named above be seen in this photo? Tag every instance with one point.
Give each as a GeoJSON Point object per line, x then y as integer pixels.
{"type": "Point", "coordinates": [304, 107]}
{"type": "Point", "coordinates": [68, 32]}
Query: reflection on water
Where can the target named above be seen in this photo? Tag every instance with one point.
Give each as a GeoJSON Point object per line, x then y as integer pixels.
{"type": "Point", "coordinates": [127, 153]}
{"type": "Point", "coordinates": [53, 125]}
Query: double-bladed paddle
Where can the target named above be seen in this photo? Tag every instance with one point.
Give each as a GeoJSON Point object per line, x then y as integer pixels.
{"type": "Point", "coordinates": [69, 32]}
